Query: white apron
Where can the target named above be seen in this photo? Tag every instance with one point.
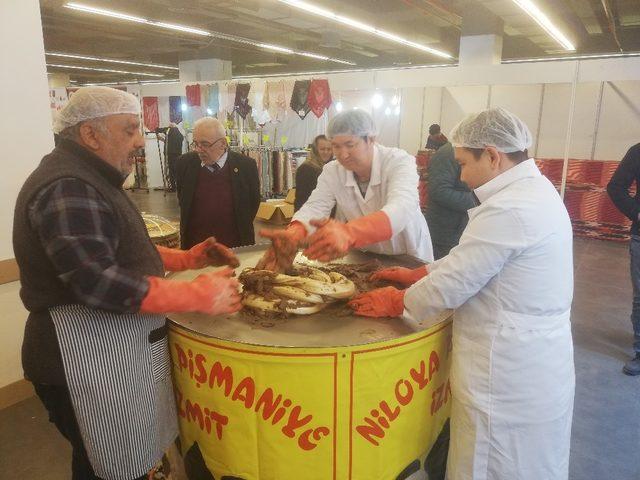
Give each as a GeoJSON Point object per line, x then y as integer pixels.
{"type": "Point", "coordinates": [510, 281]}
{"type": "Point", "coordinates": [118, 372]}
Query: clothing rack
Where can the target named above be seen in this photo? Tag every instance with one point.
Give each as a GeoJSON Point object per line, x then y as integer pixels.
{"type": "Point", "coordinates": [276, 168]}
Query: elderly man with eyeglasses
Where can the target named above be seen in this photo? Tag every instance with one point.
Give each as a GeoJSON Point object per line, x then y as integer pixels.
{"type": "Point", "coordinates": [218, 190]}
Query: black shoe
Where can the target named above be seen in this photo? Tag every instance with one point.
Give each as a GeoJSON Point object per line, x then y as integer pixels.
{"type": "Point", "coordinates": [632, 367]}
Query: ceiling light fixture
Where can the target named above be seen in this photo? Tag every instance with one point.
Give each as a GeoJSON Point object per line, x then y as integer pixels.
{"type": "Point", "coordinates": [310, 8]}
{"type": "Point", "coordinates": [541, 19]}
{"type": "Point", "coordinates": [197, 31]}
{"type": "Point", "coordinates": [102, 11]}
{"type": "Point", "coordinates": [95, 69]}
{"type": "Point", "coordinates": [276, 48]}
{"type": "Point", "coordinates": [573, 57]}
{"type": "Point", "coordinates": [110, 60]}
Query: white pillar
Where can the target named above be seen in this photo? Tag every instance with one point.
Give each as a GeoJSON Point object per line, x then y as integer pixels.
{"type": "Point", "coordinates": [481, 37]}
{"type": "Point", "coordinates": [59, 80]}
{"type": "Point", "coordinates": [25, 131]}
{"type": "Point", "coordinates": [204, 70]}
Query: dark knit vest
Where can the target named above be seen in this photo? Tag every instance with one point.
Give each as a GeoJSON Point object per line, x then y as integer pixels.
{"type": "Point", "coordinates": [212, 209]}
{"type": "Point", "coordinates": [40, 286]}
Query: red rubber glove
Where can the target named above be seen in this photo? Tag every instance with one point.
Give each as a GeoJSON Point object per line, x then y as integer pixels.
{"type": "Point", "coordinates": [402, 275]}
{"type": "Point", "coordinates": [213, 293]}
{"type": "Point", "coordinates": [204, 254]}
{"type": "Point", "coordinates": [284, 247]}
{"type": "Point", "coordinates": [334, 239]}
{"type": "Point", "coordinates": [381, 302]}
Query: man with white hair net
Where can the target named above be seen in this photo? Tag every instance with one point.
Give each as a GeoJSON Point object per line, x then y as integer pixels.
{"type": "Point", "coordinates": [375, 192]}
{"type": "Point", "coordinates": [510, 280]}
{"type": "Point", "coordinates": [95, 345]}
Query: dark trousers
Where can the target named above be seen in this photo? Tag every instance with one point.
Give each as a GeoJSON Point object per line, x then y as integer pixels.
{"type": "Point", "coordinates": [634, 250]}
{"type": "Point", "coordinates": [57, 401]}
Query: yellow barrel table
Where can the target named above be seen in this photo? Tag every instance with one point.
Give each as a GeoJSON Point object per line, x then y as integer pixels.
{"type": "Point", "coordinates": [323, 396]}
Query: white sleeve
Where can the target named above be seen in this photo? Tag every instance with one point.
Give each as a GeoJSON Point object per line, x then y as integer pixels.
{"type": "Point", "coordinates": [321, 201]}
{"type": "Point", "coordinates": [491, 239]}
{"type": "Point", "coordinates": [402, 192]}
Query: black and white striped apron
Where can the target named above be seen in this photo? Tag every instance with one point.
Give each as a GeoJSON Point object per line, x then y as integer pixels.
{"type": "Point", "coordinates": [118, 372]}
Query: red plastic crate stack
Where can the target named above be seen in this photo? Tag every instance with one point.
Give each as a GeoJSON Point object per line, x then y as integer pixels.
{"type": "Point", "coordinates": [591, 211]}
{"type": "Point", "coordinates": [422, 162]}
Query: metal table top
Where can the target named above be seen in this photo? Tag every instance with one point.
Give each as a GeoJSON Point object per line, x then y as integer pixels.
{"type": "Point", "coordinates": [323, 329]}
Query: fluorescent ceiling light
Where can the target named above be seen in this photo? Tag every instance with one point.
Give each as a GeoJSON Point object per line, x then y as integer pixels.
{"type": "Point", "coordinates": [95, 69]}
{"type": "Point", "coordinates": [310, 8]}
{"type": "Point", "coordinates": [275, 47]}
{"type": "Point", "coordinates": [573, 57]}
{"type": "Point", "coordinates": [180, 28]}
{"type": "Point", "coordinates": [198, 31]}
{"type": "Point", "coordinates": [102, 11]}
{"type": "Point", "coordinates": [542, 20]}
{"type": "Point", "coordinates": [110, 60]}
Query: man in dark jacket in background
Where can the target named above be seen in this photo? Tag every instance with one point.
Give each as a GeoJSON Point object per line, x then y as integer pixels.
{"type": "Point", "coordinates": [449, 200]}
{"type": "Point", "coordinates": [626, 174]}
{"type": "Point", "coordinates": [173, 145]}
{"type": "Point", "coordinates": [218, 190]}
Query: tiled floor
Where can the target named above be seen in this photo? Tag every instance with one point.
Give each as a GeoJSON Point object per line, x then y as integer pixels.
{"type": "Point", "coordinates": [606, 427]}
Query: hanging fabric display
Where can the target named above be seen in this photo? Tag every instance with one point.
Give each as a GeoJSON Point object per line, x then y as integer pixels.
{"type": "Point", "coordinates": [319, 98]}
{"type": "Point", "coordinates": [163, 111]}
{"type": "Point", "coordinates": [275, 101]}
{"type": "Point", "coordinates": [241, 104]}
{"type": "Point", "coordinates": [175, 109]}
{"type": "Point", "coordinates": [193, 95]}
{"type": "Point", "coordinates": [150, 113]}
{"type": "Point", "coordinates": [231, 96]}
{"type": "Point", "coordinates": [211, 101]}
{"type": "Point", "coordinates": [256, 99]}
{"type": "Point", "coordinates": [299, 98]}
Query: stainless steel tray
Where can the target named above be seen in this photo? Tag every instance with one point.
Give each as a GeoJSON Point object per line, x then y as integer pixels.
{"type": "Point", "coordinates": [322, 329]}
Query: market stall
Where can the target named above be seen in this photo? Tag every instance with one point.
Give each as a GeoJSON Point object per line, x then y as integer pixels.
{"type": "Point", "coordinates": [328, 395]}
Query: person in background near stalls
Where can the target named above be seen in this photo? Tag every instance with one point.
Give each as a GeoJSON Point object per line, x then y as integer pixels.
{"type": "Point", "coordinates": [173, 145]}
{"type": "Point", "coordinates": [436, 138]}
{"type": "Point", "coordinates": [449, 200]}
{"type": "Point", "coordinates": [307, 174]}
{"type": "Point", "coordinates": [95, 345]}
{"type": "Point", "coordinates": [375, 192]}
{"type": "Point", "coordinates": [626, 174]}
{"type": "Point", "coordinates": [510, 280]}
{"type": "Point", "coordinates": [218, 189]}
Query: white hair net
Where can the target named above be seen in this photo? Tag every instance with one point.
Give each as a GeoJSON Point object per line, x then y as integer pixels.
{"type": "Point", "coordinates": [352, 122]}
{"type": "Point", "coordinates": [495, 127]}
{"type": "Point", "coordinates": [88, 103]}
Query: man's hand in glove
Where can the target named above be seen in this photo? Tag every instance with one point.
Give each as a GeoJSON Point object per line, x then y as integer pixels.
{"type": "Point", "coordinates": [401, 275]}
{"type": "Point", "coordinates": [214, 293]}
{"type": "Point", "coordinates": [334, 239]}
{"type": "Point", "coordinates": [284, 247]}
{"type": "Point", "coordinates": [381, 302]}
{"type": "Point", "coordinates": [204, 254]}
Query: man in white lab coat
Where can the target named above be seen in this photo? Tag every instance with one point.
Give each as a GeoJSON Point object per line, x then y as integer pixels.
{"type": "Point", "coordinates": [511, 282]}
{"type": "Point", "coordinates": [375, 190]}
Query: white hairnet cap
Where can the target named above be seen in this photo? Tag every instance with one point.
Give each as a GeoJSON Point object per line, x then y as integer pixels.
{"type": "Point", "coordinates": [352, 122]}
{"type": "Point", "coordinates": [495, 127]}
{"type": "Point", "coordinates": [88, 103]}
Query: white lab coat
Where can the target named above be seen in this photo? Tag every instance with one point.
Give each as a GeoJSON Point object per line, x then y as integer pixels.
{"type": "Point", "coordinates": [393, 188]}
{"type": "Point", "coordinates": [510, 280]}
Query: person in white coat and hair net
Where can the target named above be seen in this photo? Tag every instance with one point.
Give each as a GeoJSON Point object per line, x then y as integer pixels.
{"type": "Point", "coordinates": [375, 192]}
{"type": "Point", "coordinates": [510, 281]}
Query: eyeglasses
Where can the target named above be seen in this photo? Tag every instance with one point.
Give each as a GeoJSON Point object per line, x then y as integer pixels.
{"type": "Point", "coordinates": [205, 145]}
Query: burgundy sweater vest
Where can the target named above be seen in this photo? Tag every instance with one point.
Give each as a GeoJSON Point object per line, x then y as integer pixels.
{"type": "Point", "coordinates": [212, 210]}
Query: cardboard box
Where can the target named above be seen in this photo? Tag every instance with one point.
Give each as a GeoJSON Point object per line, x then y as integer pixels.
{"type": "Point", "coordinates": [291, 196]}
{"type": "Point", "coordinates": [277, 212]}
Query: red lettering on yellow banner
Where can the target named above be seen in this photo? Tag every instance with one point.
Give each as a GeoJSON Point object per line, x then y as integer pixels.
{"type": "Point", "coordinates": [203, 417]}
{"type": "Point", "coordinates": [270, 406]}
{"type": "Point", "coordinates": [381, 418]}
